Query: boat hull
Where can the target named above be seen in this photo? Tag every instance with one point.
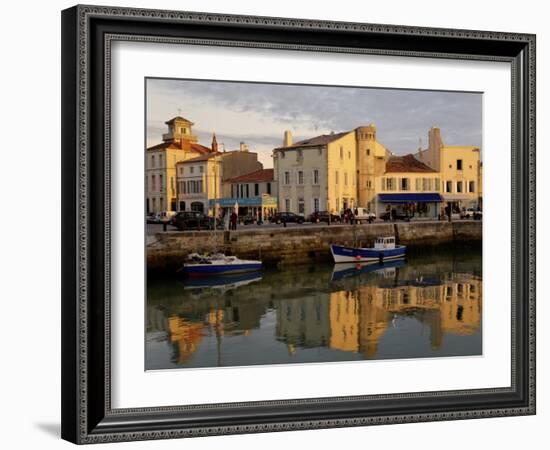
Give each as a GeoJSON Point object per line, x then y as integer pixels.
{"type": "Point", "coordinates": [201, 270]}
{"type": "Point", "coordinates": [343, 254]}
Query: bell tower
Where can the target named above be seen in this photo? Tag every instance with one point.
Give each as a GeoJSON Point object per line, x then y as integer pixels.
{"type": "Point", "coordinates": [366, 165]}
{"type": "Point", "coordinates": [179, 129]}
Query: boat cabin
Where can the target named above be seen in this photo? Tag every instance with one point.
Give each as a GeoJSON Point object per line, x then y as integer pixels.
{"type": "Point", "coordinates": [384, 242]}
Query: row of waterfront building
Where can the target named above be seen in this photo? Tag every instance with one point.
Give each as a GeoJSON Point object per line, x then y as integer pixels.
{"type": "Point", "coordinates": [330, 172]}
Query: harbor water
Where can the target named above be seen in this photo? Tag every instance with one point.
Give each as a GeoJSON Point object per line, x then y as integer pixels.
{"type": "Point", "coordinates": [422, 306]}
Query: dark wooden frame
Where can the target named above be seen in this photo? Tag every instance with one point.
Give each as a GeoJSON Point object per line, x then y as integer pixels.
{"type": "Point", "coordinates": [87, 32]}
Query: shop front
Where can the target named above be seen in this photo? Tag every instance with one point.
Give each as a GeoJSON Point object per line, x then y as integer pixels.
{"type": "Point", "coordinates": [259, 208]}
{"type": "Point", "coordinates": [425, 205]}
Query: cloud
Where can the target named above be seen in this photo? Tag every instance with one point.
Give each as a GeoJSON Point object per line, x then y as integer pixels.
{"type": "Point", "coordinates": [258, 113]}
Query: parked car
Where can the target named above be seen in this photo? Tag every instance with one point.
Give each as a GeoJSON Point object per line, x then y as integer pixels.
{"type": "Point", "coordinates": [471, 213]}
{"type": "Point", "coordinates": [287, 217]}
{"type": "Point", "coordinates": [361, 215]}
{"type": "Point", "coordinates": [247, 220]}
{"type": "Point", "coordinates": [192, 220]}
{"type": "Point", "coordinates": [165, 216]}
{"type": "Point", "coordinates": [152, 218]}
{"type": "Point", "coordinates": [397, 215]}
{"type": "Point", "coordinates": [323, 216]}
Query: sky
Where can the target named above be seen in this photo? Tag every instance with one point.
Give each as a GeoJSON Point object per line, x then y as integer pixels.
{"type": "Point", "coordinates": [259, 113]}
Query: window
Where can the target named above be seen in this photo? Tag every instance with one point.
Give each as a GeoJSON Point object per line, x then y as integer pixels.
{"type": "Point", "coordinates": [449, 186]}
{"type": "Point", "coordinates": [341, 152]}
{"type": "Point", "coordinates": [154, 204]}
{"type": "Point", "coordinates": [459, 186]}
{"type": "Point", "coordinates": [404, 184]}
{"type": "Point", "coordinates": [336, 178]}
{"type": "Point", "coordinates": [301, 206]}
{"type": "Point", "coordinates": [300, 177]}
{"type": "Point", "coordinates": [383, 184]}
{"type": "Point", "coordinates": [153, 183]}
{"type": "Point", "coordinates": [287, 177]}
{"type": "Point", "coordinates": [160, 160]}
{"type": "Point", "coordinates": [247, 191]}
{"type": "Point", "coordinates": [458, 164]}
{"type": "Point", "coordinates": [152, 161]}
{"type": "Point", "coordinates": [320, 150]}
{"type": "Point", "coordinates": [172, 183]}
{"type": "Point", "coordinates": [472, 186]}
{"type": "Point", "coordinates": [349, 155]}
{"type": "Point", "coordinates": [287, 204]}
{"type": "Point", "coordinates": [161, 183]}
{"type": "Point", "coordinates": [299, 155]}
{"type": "Point", "coordinates": [201, 169]}
{"type": "Point", "coordinates": [315, 204]}
{"type": "Point", "coordinates": [191, 169]}
{"type": "Point", "coordinates": [390, 184]}
{"type": "Point", "coordinates": [282, 155]}
{"type": "Point", "coordinates": [437, 184]}
{"type": "Point", "coordinates": [426, 184]}
{"type": "Point", "coordinates": [242, 190]}
{"type": "Point", "coordinates": [345, 178]}
{"type": "Point", "coordinates": [256, 189]}
{"type": "Point", "coordinates": [268, 188]}
{"type": "Point", "coordinates": [418, 184]}
{"type": "Point", "coordinates": [368, 151]}
{"type": "Point", "coordinates": [315, 176]}
{"type": "Point", "coordinates": [369, 184]}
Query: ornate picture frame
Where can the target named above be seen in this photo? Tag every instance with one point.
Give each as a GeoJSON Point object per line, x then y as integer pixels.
{"type": "Point", "coordinates": [88, 33]}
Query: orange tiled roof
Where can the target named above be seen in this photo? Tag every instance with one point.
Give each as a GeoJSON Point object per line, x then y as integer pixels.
{"type": "Point", "coordinates": [407, 163]}
{"type": "Point", "coordinates": [261, 175]}
{"type": "Point", "coordinates": [177, 145]}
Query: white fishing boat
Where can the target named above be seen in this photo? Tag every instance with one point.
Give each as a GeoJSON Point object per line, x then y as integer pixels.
{"type": "Point", "coordinates": [218, 264]}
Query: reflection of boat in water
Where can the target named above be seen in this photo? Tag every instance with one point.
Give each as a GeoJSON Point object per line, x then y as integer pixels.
{"type": "Point", "coordinates": [384, 249]}
{"type": "Point", "coordinates": [342, 271]}
{"type": "Point", "coordinates": [222, 282]}
{"type": "Point", "coordinates": [218, 264]}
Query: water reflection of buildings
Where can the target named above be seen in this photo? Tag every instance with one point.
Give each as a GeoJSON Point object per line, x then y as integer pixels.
{"type": "Point", "coordinates": [352, 315]}
{"type": "Point", "coordinates": [355, 320]}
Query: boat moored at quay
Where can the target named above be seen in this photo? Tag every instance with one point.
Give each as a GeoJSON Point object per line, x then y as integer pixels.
{"type": "Point", "coordinates": [384, 249]}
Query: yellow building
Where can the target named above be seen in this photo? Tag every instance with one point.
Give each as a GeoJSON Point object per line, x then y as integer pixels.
{"type": "Point", "coordinates": [179, 144]}
{"type": "Point", "coordinates": [408, 186]}
{"type": "Point", "coordinates": [317, 174]}
{"type": "Point", "coordinates": [460, 168]}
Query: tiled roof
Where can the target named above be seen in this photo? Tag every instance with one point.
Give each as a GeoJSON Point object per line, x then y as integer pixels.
{"type": "Point", "coordinates": [200, 158]}
{"type": "Point", "coordinates": [317, 140]}
{"type": "Point", "coordinates": [407, 163]}
{"type": "Point", "coordinates": [177, 145]}
{"type": "Point", "coordinates": [261, 175]}
{"type": "Point", "coordinates": [181, 119]}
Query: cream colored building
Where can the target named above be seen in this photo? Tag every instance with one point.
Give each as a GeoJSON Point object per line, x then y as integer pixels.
{"type": "Point", "coordinates": [317, 174]}
{"type": "Point", "coordinates": [460, 168]}
{"type": "Point", "coordinates": [200, 179]}
{"type": "Point", "coordinates": [179, 144]}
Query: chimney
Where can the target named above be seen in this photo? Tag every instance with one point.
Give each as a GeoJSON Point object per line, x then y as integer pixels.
{"type": "Point", "coordinates": [243, 147]}
{"type": "Point", "coordinates": [287, 140]}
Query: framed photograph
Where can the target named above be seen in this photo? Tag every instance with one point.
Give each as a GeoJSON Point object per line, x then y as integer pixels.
{"type": "Point", "coordinates": [279, 224]}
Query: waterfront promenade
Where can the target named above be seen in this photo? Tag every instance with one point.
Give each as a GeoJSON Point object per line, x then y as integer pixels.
{"type": "Point", "coordinates": [301, 244]}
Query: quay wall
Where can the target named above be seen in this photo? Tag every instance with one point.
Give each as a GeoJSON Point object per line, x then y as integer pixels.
{"type": "Point", "coordinates": [301, 245]}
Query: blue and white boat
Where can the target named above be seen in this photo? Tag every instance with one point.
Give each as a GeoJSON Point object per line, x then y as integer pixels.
{"type": "Point", "coordinates": [218, 264]}
{"type": "Point", "coordinates": [384, 249]}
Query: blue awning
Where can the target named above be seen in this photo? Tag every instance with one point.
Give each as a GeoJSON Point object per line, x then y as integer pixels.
{"type": "Point", "coordinates": [410, 198]}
